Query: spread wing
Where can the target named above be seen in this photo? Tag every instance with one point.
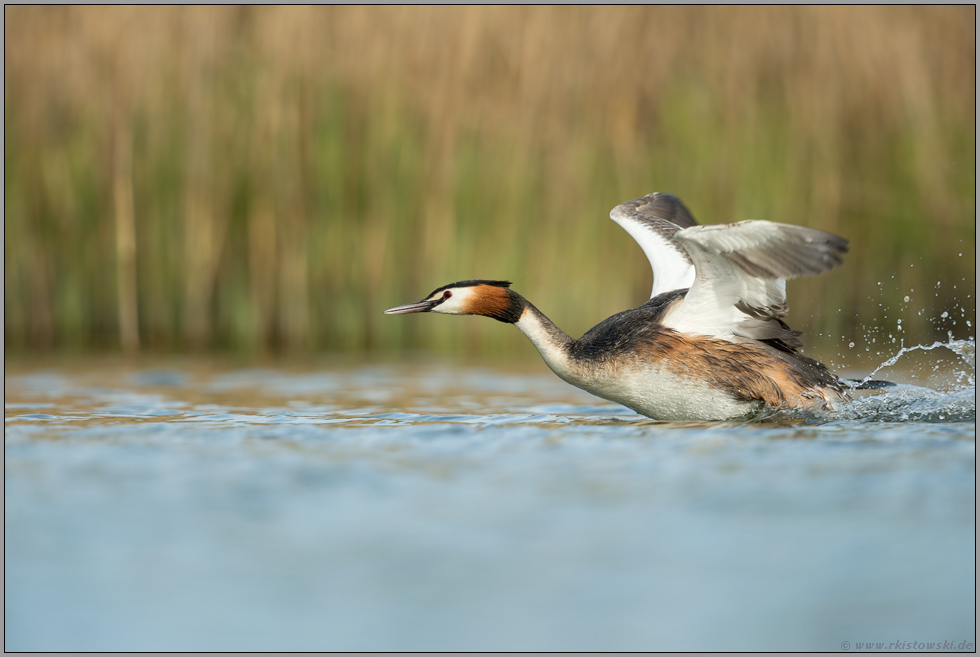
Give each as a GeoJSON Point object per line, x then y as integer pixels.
{"type": "Point", "coordinates": [740, 285]}
{"type": "Point", "coordinates": [652, 221]}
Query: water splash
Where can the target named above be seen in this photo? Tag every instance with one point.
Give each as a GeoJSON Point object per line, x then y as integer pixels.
{"type": "Point", "coordinates": [913, 403]}
{"type": "Point", "coordinates": [965, 349]}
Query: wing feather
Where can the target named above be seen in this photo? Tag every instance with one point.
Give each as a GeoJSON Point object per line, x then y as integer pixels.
{"type": "Point", "coordinates": [740, 289]}
{"type": "Point", "coordinates": [768, 250]}
{"type": "Point", "coordinates": [652, 221]}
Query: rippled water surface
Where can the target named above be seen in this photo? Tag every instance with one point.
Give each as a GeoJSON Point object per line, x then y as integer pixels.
{"type": "Point", "coordinates": [391, 507]}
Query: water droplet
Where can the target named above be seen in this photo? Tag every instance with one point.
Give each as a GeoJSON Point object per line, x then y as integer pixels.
{"type": "Point", "coordinates": [944, 315]}
{"type": "Point", "coordinates": [851, 345]}
{"type": "Point", "coordinates": [906, 299]}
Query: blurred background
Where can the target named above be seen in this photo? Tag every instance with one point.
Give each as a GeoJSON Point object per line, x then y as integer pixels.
{"type": "Point", "coordinates": [264, 180]}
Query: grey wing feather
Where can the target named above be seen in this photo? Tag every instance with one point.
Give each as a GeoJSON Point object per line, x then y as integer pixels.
{"type": "Point", "coordinates": [662, 206]}
{"type": "Point", "coordinates": [790, 252]}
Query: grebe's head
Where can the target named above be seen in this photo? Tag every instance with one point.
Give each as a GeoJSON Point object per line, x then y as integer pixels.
{"type": "Point", "coordinates": [489, 298]}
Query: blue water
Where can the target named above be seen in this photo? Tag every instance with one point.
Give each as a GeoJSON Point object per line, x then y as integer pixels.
{"type": "Point", "coordinates": [395, 507]}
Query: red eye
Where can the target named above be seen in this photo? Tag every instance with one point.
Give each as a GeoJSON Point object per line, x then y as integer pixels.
{"type": "Point", "coordinates": [447, 294]}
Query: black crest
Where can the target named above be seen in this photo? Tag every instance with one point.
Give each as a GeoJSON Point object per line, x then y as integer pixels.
{"type": "Point", "coordinates": [471, 283]}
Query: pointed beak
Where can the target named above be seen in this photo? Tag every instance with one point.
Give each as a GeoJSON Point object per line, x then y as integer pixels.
{"type": "Point", "coordinates": [423, 306]}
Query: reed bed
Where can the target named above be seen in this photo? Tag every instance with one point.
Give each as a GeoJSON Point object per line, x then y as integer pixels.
{"type": "Point", "coordinates": [270, 179]}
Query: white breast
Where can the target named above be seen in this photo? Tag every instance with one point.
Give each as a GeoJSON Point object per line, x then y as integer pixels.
{"type": "Point", "coordinates": [663, 394]}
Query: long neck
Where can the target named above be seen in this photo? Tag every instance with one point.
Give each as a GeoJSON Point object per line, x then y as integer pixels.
{"type": "Point", "coordinates": [550, 341]}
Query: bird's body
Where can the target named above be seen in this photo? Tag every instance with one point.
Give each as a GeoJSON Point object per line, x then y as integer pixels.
{"type": "Point", "coordinates": [710, 344]}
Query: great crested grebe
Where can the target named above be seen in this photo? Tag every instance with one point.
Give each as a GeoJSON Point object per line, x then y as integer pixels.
{"type": "Point", "coordinates": [710, 344]}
